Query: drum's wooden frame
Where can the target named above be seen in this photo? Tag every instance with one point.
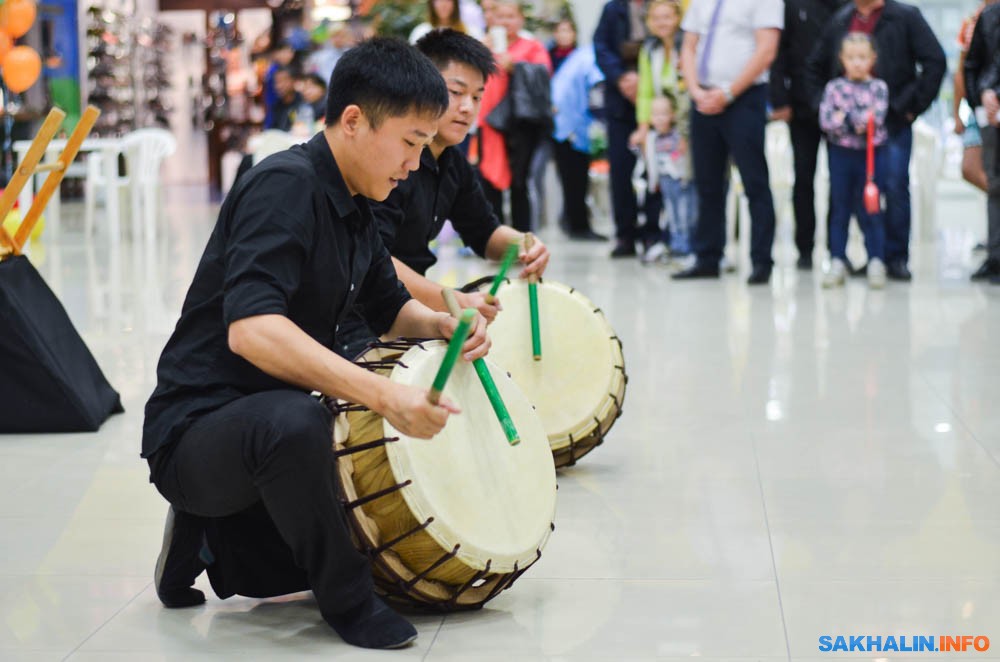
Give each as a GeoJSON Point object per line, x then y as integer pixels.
{"type": "Point", "coordinates": [567, 456]}
{"type": "Point", "coordinates": [393, 578]}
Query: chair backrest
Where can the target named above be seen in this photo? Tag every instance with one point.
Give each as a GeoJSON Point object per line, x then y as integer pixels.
{"type": "Point", "coordinates": [145, 150]}
{"type": "Point", "coordinates": [271, 142]}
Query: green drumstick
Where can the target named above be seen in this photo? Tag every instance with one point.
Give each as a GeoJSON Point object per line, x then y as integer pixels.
{"type": "Point", "coordinates": [451, 356]}
{"type": "Point", "coordinates": [536, 333]}
{"type": "Point", "coordinates": [492, 393]}
{"type": "Point", "coordinates": [508, 259]}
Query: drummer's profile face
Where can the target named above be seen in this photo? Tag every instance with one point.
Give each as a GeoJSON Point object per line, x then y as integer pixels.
{"type": "Point", "coordinates": [382, 156]}
{"type": "Point", "coordinates": [465, 92]}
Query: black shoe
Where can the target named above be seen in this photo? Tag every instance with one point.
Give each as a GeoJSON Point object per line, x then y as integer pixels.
{"type": "Point", "coordinates": [988, 269]}
{"type": "Point", "coordinates": [760, 275]}
{"type": "Point", "coordinates": [624, 249]}
{"type": "Point", "coordinates": [898, 270]}
{"type": "Point", "coordinates": [373, 625]}
{"type": "Point", "coordinates": [179, 563]}
{"type": "Point", "coordinates": [804, 263]}
{"type": "Point", "coordinates": [699, 270]}
{"type": "Point", "coordinates": [587, 235]}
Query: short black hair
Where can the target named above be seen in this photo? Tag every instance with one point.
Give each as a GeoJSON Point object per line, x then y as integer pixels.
{"type": "Point", "coordinates": [315, 78]}
{"type": "Point", "coordinates": [385, 77]}
{"type": "Point", "coordinates": [446, 46]}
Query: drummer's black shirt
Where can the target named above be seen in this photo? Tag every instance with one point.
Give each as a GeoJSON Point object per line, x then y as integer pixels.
{"type": "Point", "coordinates": [440, 190]}
{"type": "Point", "coordinates": [290, 240]}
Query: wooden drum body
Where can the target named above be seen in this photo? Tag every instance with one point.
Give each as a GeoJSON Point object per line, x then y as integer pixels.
{"type": "Point", "coordinates": [448, 522]}
{"type": "Point", "coordinates": [578, 386]}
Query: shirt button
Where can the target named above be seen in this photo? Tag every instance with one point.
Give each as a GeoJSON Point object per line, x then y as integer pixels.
{"type": "Point", "coordinates": [352, 287]}
{"type": "Point", "coordinates": [336, 328]}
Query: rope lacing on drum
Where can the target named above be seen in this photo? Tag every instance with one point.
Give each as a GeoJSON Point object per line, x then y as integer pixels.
{"type": "Point", "coordinates": [469, 584]}
{"type": "Point", "coordinates": [402, 344]}
{"type": "Point", "coordinates": [503, 585]}
{"type": "Point", "coordinates": [572, 450]}
{"type": "Point", "coordinates": [351, 450]}
{"type": "Point", "coordinates": [385, 546]}
{"type": "Point", "coordinates": [447, 556]}
{"type": "Point", "coordinates": [377, 495]}
{"type": "Point", "coordinates": [600, 430]}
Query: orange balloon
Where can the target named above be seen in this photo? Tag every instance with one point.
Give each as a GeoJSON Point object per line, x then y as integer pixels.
{"type": "Point", "coordinates": [16, 16]}
{"type": "Point", "coordinates": [6, 43]}
{"type": "Point", "coordinates": [21, 68]}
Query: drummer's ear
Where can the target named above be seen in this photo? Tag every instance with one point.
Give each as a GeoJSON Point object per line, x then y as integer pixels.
{"type": "Point", "coordinates": [352, 120]}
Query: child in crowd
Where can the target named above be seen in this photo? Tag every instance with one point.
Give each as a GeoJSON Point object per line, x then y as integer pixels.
{"type": "Point", "coordinates": [659, 75]}
{"type": "Point", "coordinates": [847, 104]}
{"type": "Point", "coordinates": [669, 168]}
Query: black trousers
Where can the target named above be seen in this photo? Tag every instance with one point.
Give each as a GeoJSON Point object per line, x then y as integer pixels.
{"type": "Point", "coordinates": [622, 162]}
{"type": "Point", "coordinates": [806, 136]}
{"type": "Point", "coordinates": [737, 131]}
{"type": "Point", "coordinates": [261, 470]}
{"type": "Point", "coordinates": [574, 176]}
{"type": "Point", "coordinates": [624, 205]}
{"type": "Point", "coordinates": [522, 141]}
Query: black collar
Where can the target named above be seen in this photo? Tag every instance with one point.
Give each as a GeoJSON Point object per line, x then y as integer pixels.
{"type": "Point", "coordinates": [351, 208]}
{"type": "Point", "coordinates": [427, 159]}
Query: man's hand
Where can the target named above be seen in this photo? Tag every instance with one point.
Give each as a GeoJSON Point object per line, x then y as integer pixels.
{"type": "Point", "coordinates": [992, 106]}
{"type": "Point", "coordinates": [534, 260]}
{"type": "Point", "coordinates": [478, 343]}
{"type": "Point", "coordinates": [638, 137]}
{"type": "Point", "coordinates": [783, 114]}
{"type": "Point", "coordinates": [711, 102]}
{"type": "Point", "coordinates": [628, 85]}
{"type": "Point", "coordinates": [477, 300]}
{"type": "Point", "coordinates": [407, 409]}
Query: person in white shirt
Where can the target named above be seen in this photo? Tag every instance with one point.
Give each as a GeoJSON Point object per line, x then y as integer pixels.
{"type": "Point", "coordinates": [728, 48]}
{"type": "Point", "coordinates": [444, 14]}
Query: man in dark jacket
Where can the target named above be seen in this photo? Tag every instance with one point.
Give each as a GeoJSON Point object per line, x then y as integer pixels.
{"type": "Point", "coordinates": [804, 23]}
{"type": "Point", "coordinates": [912, 63]}
{"type": "Point", "coordinates": [982, 81]}
{"type": "Point", "coordinates": [617, 40]}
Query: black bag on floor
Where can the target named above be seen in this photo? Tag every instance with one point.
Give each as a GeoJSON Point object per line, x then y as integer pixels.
{"type": "Point", "coordinates": [49, 381]}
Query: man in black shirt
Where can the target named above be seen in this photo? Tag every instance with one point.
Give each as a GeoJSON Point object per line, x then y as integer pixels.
{"type": "Point", "coordinates": [286, 106]}
{"type": "Point", "coordinates": [446, 187]}
{"type": "Point", "coordinates": [231, 427]}
{"type": "Point", "coordinates": [804, 23]}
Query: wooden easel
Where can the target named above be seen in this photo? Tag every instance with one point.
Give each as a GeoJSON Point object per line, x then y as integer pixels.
{"type": "Point", "coordinates": [29, 167]}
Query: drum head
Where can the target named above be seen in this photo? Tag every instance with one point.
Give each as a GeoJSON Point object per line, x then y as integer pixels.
{"type": "Point", "coordinates": [495, 500]}
{"type": "Point", "coordinates": [581, 361]}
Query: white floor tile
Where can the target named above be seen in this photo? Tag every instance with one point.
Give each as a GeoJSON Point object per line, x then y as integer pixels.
{"type": "Point", "coordinates": [607, 618]}
{"type": "Point", "coordinates": [917, 607]}
{"type": "Point", "coordinates": [54, 615]}
{"type": "Point", "coordinates": [282, 628]}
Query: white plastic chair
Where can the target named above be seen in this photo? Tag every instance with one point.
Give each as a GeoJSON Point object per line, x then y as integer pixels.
{"type": "Point", "coordinates": [145, 150]}
{"type": "Point", "coordinates": [271, 142]}
{"type": "Point", "coordinates": [925, 167]}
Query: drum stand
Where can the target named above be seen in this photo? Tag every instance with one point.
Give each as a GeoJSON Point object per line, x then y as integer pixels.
{"type": "Point", "coordinates": [13, 245]}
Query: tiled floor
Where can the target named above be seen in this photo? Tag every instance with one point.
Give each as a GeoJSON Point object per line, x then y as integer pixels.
{"type": "Point", "coordinates": [792, 463]}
